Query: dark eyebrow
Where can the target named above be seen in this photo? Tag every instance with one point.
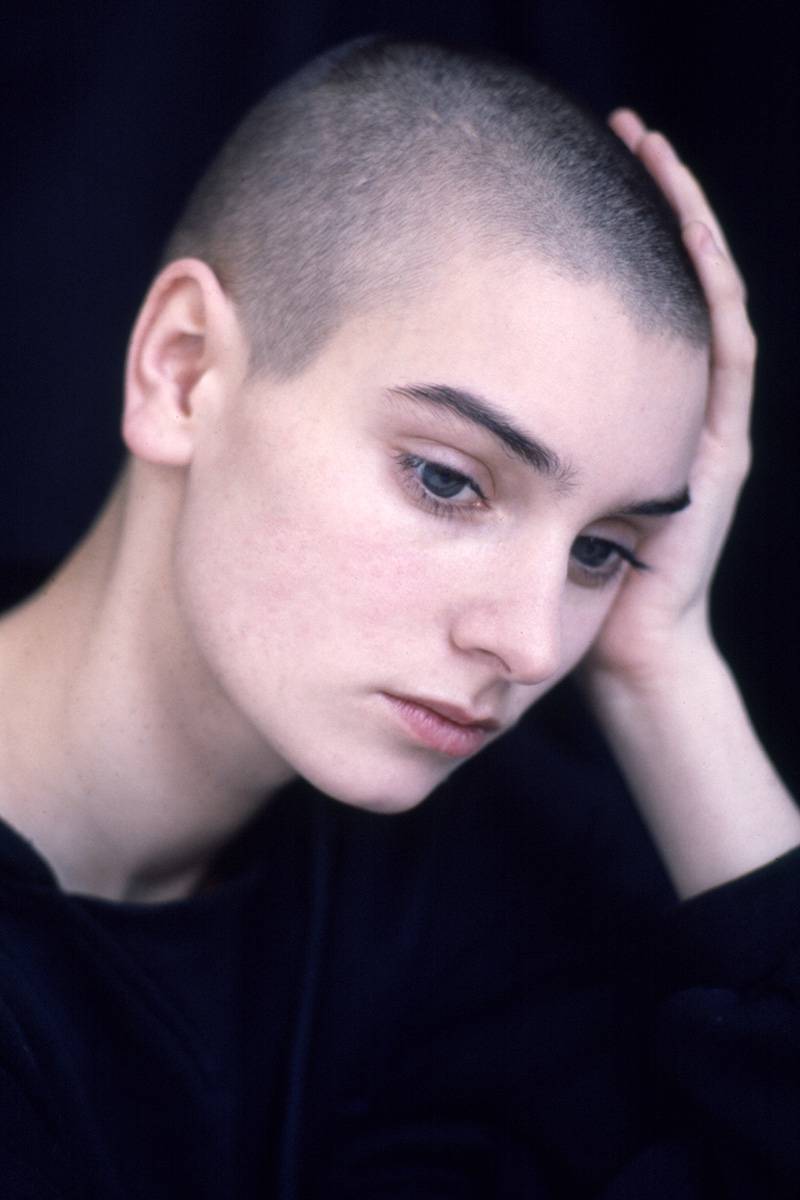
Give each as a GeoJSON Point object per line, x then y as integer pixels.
{"type": "Point", "coordinates": [478, 411]}
{"type": "Point", "coordinates": [529, 450]}
{"type": "Point", "coordinates": [658, 508]}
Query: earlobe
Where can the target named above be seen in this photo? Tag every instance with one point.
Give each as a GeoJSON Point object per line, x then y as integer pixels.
{"type": "Point", "coordinates": [173, 356]}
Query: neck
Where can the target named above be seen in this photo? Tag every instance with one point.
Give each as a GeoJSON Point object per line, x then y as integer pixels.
{"type": "Point", "coordinates": [125, 765]}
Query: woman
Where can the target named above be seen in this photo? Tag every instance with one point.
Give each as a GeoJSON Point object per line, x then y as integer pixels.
{"type": "Point", "coordinates": [416, 427]}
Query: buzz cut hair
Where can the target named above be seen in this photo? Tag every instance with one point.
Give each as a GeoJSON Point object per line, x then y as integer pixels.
{"type": "Point", "coordinates": [359, 175]}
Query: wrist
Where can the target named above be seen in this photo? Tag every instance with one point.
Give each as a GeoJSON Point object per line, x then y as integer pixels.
{"type": "Point", "coordinates": [698, 774]}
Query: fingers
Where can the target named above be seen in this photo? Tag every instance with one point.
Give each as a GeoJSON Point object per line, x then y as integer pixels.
{"type": "Point", "coordinates": [733, 344]}
{"type": "Point", "coordinates": [680, 187]}
{"type": "Point", "coordinates": [628, 126]}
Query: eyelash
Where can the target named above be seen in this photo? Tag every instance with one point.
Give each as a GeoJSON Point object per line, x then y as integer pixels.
{"type": "Point", "coordinates": [409, 464]}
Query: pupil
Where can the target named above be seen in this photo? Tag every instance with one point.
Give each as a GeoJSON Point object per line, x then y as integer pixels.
{"type": "Point", "coordinates": [593, 552]}
{"type": "Point", "coordinates": [440, 481]}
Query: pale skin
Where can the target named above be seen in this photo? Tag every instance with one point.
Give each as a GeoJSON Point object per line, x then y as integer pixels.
{"type": "Point", "coordinates": [261, 576]}
{"type": "Point", "coordinates": [715, 806]}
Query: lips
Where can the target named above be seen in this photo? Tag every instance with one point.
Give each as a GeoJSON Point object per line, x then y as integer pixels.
{"type": "Point", "coordinates": [452, 712]}
{"type": "Point", "coordinates": [450, 730]}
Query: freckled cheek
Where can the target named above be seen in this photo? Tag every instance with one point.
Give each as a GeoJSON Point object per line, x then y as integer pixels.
{"type": "Point", "coordinates": [373, 557]}
{"type": "Point", "coordinates": [302, 561]}
{"type": "Point", "coordinates": [378, 591]}
{"type": "Point", "coordinates": [340, 574]}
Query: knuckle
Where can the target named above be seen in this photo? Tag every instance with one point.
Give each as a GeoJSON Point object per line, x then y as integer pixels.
{"type": "Point", "coordinates": [736, 344]}
{"type": "Point", "coordinates": [733, 288]}
{"type": "Point", "coordinates": [737, 362]}
{"type": "Point", "coordinates": [743, 349]}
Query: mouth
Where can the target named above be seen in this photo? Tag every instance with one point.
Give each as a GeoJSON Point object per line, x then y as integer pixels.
{"type": "Point", "coordinates": [446, 728]}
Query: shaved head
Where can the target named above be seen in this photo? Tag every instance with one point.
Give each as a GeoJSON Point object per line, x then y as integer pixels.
{"type": "Point", "coordinates": [354, 180]}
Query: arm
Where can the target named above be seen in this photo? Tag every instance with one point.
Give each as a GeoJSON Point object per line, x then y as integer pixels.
{"type": "Point", "coordinates": [658, 685]}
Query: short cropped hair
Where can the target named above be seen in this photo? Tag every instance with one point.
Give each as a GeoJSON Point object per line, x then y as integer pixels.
{"type": "Point", "coordinates": [355, 176]}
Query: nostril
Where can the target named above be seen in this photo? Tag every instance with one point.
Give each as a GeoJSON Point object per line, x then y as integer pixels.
{"type": "Point", "coordinates": [519, 617]}
{"type": "Point", "coordinates": [527, 653]}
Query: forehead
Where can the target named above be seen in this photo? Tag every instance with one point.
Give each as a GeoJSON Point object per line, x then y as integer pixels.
{"type": "Point", "coordinates": [562, 358]}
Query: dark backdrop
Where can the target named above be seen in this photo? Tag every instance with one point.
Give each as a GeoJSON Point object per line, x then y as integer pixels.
{"type": "Point", "coordinates": [112, 109]}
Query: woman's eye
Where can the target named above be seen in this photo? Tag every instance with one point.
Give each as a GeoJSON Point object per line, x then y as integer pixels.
{"type": "Point", "coordinates": [445, 492]}
{"type": "Point", "coordinates": [438, 488]}
{"type": "Point", "coordinates": [597, 560]}
{"type": "Point", "coordinates": [441, 481]}
{"type": "Point", "coordinates": [593, 552]}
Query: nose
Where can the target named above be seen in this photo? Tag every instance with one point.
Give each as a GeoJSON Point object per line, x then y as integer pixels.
{"type": "Point", "coordinates": [515, 618]}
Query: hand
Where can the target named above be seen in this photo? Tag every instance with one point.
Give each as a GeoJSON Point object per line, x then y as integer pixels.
{"type": "Point", "coordinates": [660, 617]}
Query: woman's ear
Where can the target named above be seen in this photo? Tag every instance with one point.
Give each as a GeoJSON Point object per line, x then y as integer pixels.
{"type": "Point", "coordinates": [186, 350]}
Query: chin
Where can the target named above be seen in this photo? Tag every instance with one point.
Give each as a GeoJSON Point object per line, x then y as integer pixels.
{"type": "Point", "coordinates": [388, 787]}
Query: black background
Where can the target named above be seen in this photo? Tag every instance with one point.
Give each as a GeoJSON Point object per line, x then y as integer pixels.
{"type": "Point", "coordinates": [111, 111]}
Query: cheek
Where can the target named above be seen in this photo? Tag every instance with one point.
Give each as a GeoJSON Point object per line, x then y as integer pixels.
{"type": "Point", "coordinates": [277, 573]}
{"type": "Point", "coordinates": [585, 610]}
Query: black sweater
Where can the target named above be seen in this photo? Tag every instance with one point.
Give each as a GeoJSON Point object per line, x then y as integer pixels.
{"type": "Point", "coordinates": [495, 994]}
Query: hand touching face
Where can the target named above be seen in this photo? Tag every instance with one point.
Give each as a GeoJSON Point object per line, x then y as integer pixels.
{"type": "Point", "coordinates": [661, 615]}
